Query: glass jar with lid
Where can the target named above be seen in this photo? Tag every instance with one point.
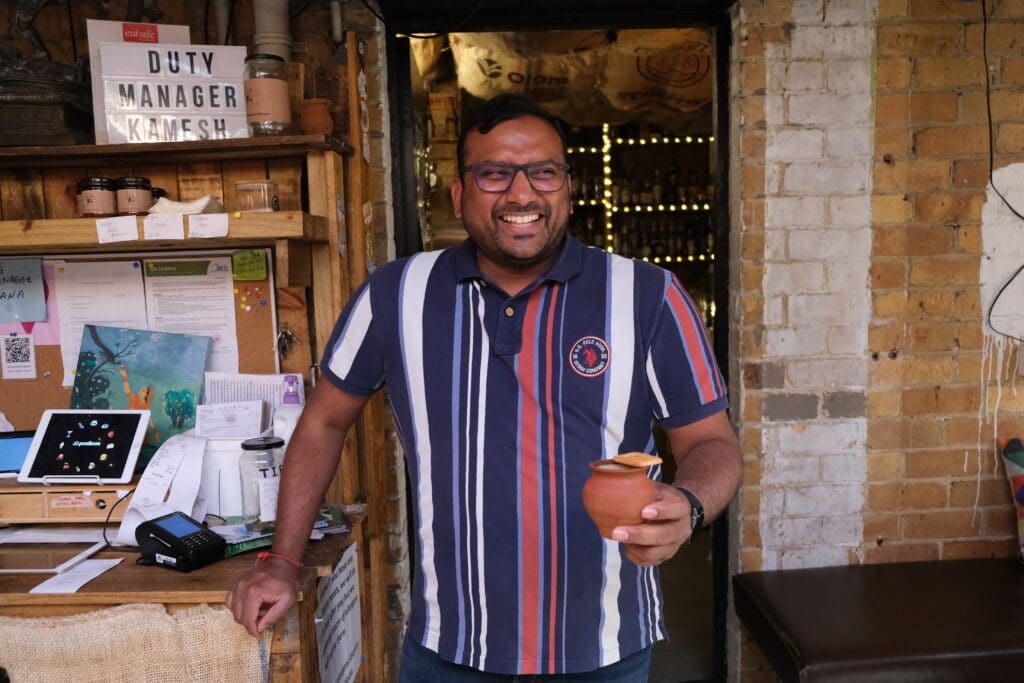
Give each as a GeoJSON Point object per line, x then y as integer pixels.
{"type": "Point", "coordinates": [134, 195]}
{"type": "Point", "coordinates": [267, 108]}
{"type": "Point", "coordinates": [259, 467]}
{"type": "Point", "coordinates": [96, 197]}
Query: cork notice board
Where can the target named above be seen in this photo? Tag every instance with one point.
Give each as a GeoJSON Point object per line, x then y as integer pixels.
{"type": "Point", "coordinates": [22, 402]}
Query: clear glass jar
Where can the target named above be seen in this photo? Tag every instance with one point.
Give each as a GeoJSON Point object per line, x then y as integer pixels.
{"type": "Point", "coordinates": [267, 107]}
{"type": "Point", "coordinates": [259, 466]}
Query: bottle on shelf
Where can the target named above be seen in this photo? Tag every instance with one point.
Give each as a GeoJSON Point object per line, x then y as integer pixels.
{"type": "Point", "coordinates": [647, 193]}
{"type": "Point", "coordinates": [658, 188]}
{"type": "Point", "coordinates": [672, 180]}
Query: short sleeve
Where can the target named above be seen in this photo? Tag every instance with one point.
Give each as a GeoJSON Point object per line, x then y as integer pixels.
{"type": "Point", "coordinates": [682, 375]}
{"type": "Point", "coordinates": [354, 360]}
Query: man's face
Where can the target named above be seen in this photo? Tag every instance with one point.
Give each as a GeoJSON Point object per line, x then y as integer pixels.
{"type": "Point", "coordinates": [521, 227]}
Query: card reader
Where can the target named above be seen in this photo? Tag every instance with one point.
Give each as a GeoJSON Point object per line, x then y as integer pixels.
{"type": "Point", "coordinates": [179, 542]}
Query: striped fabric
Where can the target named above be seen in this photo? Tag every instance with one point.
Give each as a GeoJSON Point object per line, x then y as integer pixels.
{"type": "Point", "coordinates": [501, 403]}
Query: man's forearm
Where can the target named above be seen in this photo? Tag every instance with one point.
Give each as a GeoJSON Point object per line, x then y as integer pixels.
{"type": "Point", "coordinates": [711, 470]}
{"type": "Point", "coordinates": [310, 465]}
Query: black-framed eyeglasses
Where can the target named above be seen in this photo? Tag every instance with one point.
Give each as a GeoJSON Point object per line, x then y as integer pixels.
{"type": "Point", "coordinates": [497, 176]}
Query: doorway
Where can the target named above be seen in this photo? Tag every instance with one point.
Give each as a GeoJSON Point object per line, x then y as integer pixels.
{"type": "Point", "coordinates": [649, 182]}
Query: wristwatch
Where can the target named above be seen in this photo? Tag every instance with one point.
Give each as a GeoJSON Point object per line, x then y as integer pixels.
{"type": "Point", "coordinates": [696, 509]}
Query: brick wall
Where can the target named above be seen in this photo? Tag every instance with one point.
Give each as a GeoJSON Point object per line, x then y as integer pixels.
{"type": "Point", "coordinates": [866, 246]}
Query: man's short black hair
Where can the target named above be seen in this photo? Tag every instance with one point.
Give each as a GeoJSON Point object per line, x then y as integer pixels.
{"type": "Point", "coordinates": [504, 107]}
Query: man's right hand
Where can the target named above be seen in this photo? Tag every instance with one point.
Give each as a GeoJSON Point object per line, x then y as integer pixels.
{"type": "Point", "coordinates": [263, 594]}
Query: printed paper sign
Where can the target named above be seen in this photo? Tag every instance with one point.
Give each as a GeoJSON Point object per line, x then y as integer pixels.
{"type": "Point", "coordinates": [18, 356]}
{"type": "Point", "coordinates": [168, 92]}
{"type": "Point", "coordinates": [21, 291]}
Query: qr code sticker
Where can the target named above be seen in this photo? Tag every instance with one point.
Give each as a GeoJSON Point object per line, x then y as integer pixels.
{"type": "Point", "coordinates": [17, 350]}
{"type": "Point", "coordinates": [17, 357]}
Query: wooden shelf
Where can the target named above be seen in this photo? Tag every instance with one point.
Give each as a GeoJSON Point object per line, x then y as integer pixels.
{"type": "Point", "coordinates": [76, 235]}
{"type": "Point", "coordinates": [264, 147]}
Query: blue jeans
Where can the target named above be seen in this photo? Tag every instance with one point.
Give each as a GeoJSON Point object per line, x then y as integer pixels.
{"type": "Point", "coordinates": [420, 665]}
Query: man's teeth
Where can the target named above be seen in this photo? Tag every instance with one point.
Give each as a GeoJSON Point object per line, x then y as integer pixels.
{"type": "Point", "coordinates": [526, 218]}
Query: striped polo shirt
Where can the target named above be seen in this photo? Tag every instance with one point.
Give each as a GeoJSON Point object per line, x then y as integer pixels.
{"type": "Point", "coordinates": [500, 403]}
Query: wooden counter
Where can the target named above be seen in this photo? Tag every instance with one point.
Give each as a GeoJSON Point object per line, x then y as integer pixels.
{"type": "Point", "coordinates": [293, 653]}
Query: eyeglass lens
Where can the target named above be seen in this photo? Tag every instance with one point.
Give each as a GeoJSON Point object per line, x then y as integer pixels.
{"type": "Point", "coordinates": [543, 176]}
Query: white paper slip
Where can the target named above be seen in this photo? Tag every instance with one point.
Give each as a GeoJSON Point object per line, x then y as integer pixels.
{"type": "Point", "coordinates": [73, 579]}
{"type": "Point", "coordinates": [241, 420]}
{"type": "Point", "coordinates": [117, 229]}
{"type": "Point", "coordinates": [46, 533]}
{"type": "Point", "coordinates": [163, 226]}
{"type": "Point", "coordinates": [208, 225]}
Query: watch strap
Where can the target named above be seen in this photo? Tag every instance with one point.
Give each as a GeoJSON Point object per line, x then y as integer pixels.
{"type": "Point", "coordinates": [696, 508]}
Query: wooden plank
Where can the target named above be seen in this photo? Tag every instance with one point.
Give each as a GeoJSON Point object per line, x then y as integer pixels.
{"type": "Point", "coordinates": [292, 264]}
{"type": "Point", "coordinates": [21, 194]}
{"type": "Point", "coordinates": [287, 173]}
{"type": "Point", "coordinates": [60, 192]}
{"type": "Point", "coordinates": [296, 73]}
{"type": "Point", "coordinates": [198, 180]}
{"type": "Point", "coordinates": [292, 315]}
{"type": "Point", "coordinates": [160, 175]}
{"type": "Point", "coordinates": [236, 171]}
{"type": "Point", "coordinates": [263, 147]}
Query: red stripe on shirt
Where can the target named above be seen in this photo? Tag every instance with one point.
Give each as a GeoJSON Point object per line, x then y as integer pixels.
{"type": "Point", "coordinates": [528, 492]}
{"type": "Point", "coordinates": [693, 339]}
{"type": "Point", "coordinates": [552, 489]}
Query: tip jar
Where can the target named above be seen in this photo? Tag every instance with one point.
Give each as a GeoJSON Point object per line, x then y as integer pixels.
{"type": "Point", "coordinates": [267, 109]}
{"type": "Point", "coordinates": [260, 469]}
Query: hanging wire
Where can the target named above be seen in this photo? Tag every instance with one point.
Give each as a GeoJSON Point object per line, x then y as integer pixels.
{"type": "Point", "coordinates": [991, 166]}
{"type": "Point", "coordinates": [71, 26]}
{"type": "Point", "coordinates": [424, 36]}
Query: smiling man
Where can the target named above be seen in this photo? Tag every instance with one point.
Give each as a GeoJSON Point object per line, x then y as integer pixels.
{"type": "Point", "coordinates": [512, 362]}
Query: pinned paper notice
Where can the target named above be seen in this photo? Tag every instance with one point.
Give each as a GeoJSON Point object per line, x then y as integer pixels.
{"type": "Point", "coordinates": [249, 265]}
{"type": "Point", "coordinates": [117, 229]}
{"type": "Point", "coordinates": [18, 357]}
{"type": "Point", "coordinates": [163, 226]}
{"type": "Point", "coordinates": [208, 225]}
{"type": "Point", "coordinates": [21, 291]}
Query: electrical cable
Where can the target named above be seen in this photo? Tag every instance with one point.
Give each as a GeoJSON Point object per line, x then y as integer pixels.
{"type": "Point", "coordinates": [111, 512]}
{"type": "Point", "coordinates": [71, 26]}
{"type": "Point", "coordinates": [424, 36]}
{"type": "Point", "coordinates": [206, 22]}
{"type": "Point", "coordinates": [991, 166]}
{"type": "Point", "coordinates": [231, 22]}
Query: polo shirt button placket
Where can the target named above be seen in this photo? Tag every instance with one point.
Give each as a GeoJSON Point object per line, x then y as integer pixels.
{"type": "Point", "coordinates": [509, 311]}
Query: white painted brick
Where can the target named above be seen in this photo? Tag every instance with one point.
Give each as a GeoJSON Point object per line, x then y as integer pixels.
{"type": "Point", "coordinates": [822, 245]}
{"type": "Point", "coordinates": [849, 340]}
{"type": "Point", "coordinates": [791, 532]}
{"type": "Point", "coordinates": [850, 143]}
{"type": "Point", "coordinates": [850, 11]}
{"type": "Point", "coordinates": [850, 212]}
{"type": "Point", "coordinates": [774, 75]}
{"type": "Point", "coordinates": [790, 469]}
{"type": "Point", "coordinates": [850, 76]}
{"type": "Point", "coordinates": [844, 467]}
{"type": "Point", "coordinates": [773, 501]}
{"type": "Point", "coordinates": [849, 276]}
{"type": "Point", "coordinates": [795, 144]}
{"type": "Point", "coordinates": [841, 531]}
{"type": "Point", "coordinates": [804, 76]}
{"type": "Point", "coordinates": [820, 309]}
{"type": "Point", "coordinates": [784, 212]}
{"type": "Point", "coordinates": [828, 109]}
{"type": "Point", "coordinates": [775, 245]}
{"type": "Point", "coordinates": [793, 343]}
{"type": "Point", "coordinates": [816, 437]}
{"type": "Point", "coordinates": [787, 278]}
{"type": "Point", "coordinates": [826, 177]}
{"type": "Point", "coordinates": [808, 11]}
{"type": "Point", "coordinates": [770, 561]}
{"type": "Point", "coordinates": [772, 178]}
{"type": "Point", "coordinates": [831, 499]}
{"type": "Point", "coordinates": [774, 109]}
{"type": "Point", "coordinates": [775, 310]}
{"type": "Point", "coordinates": [809, 558]}
{"type": "Point", "coordinates": [832, 372]}
{"type": "Point", "coordinates": [833, 42]}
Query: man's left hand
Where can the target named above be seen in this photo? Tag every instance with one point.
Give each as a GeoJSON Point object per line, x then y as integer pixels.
{"type": "Point", "coordinates": [666, 527]}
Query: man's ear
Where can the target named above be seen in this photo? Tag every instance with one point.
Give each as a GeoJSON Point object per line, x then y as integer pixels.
{"type": "Point", "coordinates": [457, 196]}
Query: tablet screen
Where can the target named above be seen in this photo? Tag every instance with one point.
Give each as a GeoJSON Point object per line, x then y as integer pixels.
{"type": "Point", "coordinates": [13, 449]}
{"type": "Point", "coordinates": [85, 444]}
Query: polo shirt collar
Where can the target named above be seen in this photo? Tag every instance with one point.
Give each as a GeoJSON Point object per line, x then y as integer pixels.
{"type": "Point", "coordinates": [567, 266]}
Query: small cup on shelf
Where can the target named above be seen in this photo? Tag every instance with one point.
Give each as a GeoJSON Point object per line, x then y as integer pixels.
{"type": "Point", "coordinates": [255, 196]}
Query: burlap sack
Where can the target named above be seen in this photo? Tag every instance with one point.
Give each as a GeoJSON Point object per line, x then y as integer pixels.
{"type": "Point", "coordinates": [132, 643]}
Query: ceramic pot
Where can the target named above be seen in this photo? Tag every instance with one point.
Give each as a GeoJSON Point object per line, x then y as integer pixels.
{"type": "Point", "coordinates": [316, 117]}
{"type": "Point", "coordinates": [615, 494]}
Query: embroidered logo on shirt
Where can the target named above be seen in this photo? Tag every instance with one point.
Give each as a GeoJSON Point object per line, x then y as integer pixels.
{"type": "Point", "coordinates": [589, 356]}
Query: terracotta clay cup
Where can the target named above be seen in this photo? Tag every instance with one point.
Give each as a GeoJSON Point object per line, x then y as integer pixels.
{"type": "Point", "coordinates": [316, 117]}
{"type": "Point", "coordinates": [614, 495]}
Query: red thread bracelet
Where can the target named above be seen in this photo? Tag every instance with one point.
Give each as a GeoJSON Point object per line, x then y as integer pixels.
{"type": "Point", "coordinates": [264, 555]}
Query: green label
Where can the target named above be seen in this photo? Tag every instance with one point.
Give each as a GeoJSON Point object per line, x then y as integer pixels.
{"type": "Point", "coordinates": [249, 265]}
{"type": "Point", "coordinates": [171, 268]}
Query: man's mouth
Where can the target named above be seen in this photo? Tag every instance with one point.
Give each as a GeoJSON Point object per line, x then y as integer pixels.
{"type": "Point", "coordinates": [520, 218]}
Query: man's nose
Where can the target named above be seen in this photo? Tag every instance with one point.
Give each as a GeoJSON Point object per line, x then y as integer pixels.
{"type": "Point", "coordinates": [520, 186]}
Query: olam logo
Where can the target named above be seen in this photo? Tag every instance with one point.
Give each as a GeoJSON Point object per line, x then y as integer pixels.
{"type": "Point", "coordinates": [489, 67]}
{"type": "Point", "coordinates": [140, 33]}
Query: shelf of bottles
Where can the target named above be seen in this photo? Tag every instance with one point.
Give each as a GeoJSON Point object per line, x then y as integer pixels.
{"type": "Point", "coordinates": [664, 219]}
